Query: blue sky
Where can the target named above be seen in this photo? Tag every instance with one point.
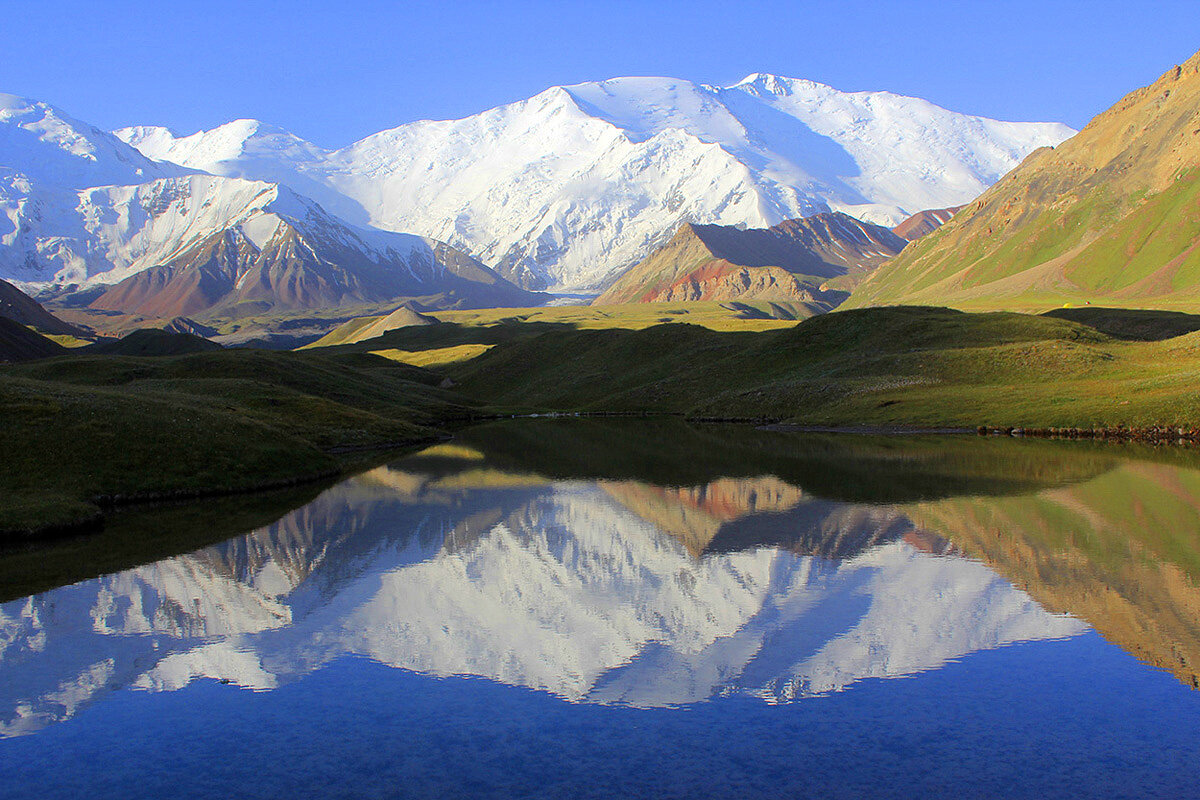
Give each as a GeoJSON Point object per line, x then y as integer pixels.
{"type": "Point", "coordinates": [334, 72]}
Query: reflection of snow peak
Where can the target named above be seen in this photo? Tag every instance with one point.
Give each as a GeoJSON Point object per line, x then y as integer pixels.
{"type": "Point", "coordinates": [560, 588]}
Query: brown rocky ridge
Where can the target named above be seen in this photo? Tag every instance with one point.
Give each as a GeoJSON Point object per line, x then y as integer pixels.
{"type": "Point", "coordinates": [792, 262]}
{"type": "Point", "coordinates": [924, 222]}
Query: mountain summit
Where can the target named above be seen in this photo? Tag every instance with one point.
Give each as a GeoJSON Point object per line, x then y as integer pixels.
{"type": "Point", "coordinates": [568, 188]}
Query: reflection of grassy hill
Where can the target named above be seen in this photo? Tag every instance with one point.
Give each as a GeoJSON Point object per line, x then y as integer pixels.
{"type": "Point", "coordinates": [86, 430]}
{"type": "Point", "coordinates": [1122, 551]}
{"type": "Point", "coordinates": [870, 469]}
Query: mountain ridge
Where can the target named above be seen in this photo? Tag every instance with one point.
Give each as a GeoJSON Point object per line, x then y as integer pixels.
{"type": "Point", "coordinates": [515, 185]}
{"type": "Point", "coordinates": [85, 211]}
{"type": "Point", "coordinates": [790, 261]}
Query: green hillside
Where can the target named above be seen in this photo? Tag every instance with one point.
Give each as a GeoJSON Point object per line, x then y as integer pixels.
{"type": "Point", "coordinates": [81, 433]}
{"type": "Point", "coordinates": [890, 366]}
{"type": "Point", "coordinates": [1110, 217]}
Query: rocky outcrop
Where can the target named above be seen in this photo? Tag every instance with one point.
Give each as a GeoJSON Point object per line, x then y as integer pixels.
{"type": "Point", "coordinates": [791, 261]}
{"type": "Point", "coordinates": [924, 223]}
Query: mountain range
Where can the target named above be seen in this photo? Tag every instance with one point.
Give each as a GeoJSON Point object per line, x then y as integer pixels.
{"type": "Point", "coordinates": [565, 190]}
{"type": "Point", "coordinates": [82, 210]}
{"type": "Point", "coordinates": [570, 187]}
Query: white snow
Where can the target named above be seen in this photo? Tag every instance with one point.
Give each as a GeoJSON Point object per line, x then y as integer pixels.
{"type": "Point", "coordinates": [569, 187]}
{"type": "Point", "coordinates": [557, 587]}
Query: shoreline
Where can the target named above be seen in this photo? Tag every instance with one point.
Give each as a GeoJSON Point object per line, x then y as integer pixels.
{"type": "Point", "coordinates": [106, 504]}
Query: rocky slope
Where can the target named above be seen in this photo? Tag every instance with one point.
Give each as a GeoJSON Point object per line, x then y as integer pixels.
{"type": "Point", "coordinates": [924, 223]}
{"type": "Point", "coordinates": [285, 252]}
{"type": "Point", "coordinates": [791, 261]}
{"type": "Point", "coordinates": [568, 188]}
{"type": "Point", "coordinates": [1108, 217]}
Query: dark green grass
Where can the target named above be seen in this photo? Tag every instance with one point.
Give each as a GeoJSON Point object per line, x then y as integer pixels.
{"type": "Point", "coordinates": [78, 433]}
{"type": "Point", "coordinates": [874, 469]}
{"type": "Point", "coordinates": [153, 342]}
{"type": "Point", "coordinates": [1142, 325]}
{"type": "Point", "coordinates": [885, 366]}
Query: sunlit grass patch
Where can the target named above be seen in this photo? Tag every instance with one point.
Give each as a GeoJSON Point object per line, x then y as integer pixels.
{"type": "Point", "coordinates": [434, 358]}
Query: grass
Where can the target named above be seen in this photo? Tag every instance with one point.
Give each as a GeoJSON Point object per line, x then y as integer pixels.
{"type": "Point", "coordinates": [885, 366]}
{"type": "Point", "coordinates": [1064, 244]}
{"type": "Point", "coordinates": [83, 432]}
{"type": "Point", "coordinates": [749, 316]}
{"type": "Point", "coordinates": [436, 357]}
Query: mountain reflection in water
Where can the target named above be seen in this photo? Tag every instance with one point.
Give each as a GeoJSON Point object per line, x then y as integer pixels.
{"type": "Point", "coordinates": [619, 590]}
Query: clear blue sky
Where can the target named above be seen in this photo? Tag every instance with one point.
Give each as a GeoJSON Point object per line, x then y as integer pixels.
{"type": "Point", "coordinates": [334, 72]}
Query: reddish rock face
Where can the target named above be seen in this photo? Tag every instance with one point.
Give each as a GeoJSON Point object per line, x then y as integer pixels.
{"type": "Point", "coordinates": [788, 262]}
{"type": "Point", "coordinates": [924, 223]}
{"type": "Point", "coordinates": [296, 270]}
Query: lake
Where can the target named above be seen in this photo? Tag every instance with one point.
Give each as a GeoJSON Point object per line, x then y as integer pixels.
{"type": "Point", "coordinates": [583, 608]}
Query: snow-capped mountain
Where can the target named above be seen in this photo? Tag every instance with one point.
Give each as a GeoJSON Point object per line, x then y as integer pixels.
{"type": "Point", "coordinates": [53, 149]}
{"type": "Point", "coordinates": [566, 189]}
{"type": "Point", "coordinates": [559, 587]}
{"type": "Point", "coordinates": [79, 207]}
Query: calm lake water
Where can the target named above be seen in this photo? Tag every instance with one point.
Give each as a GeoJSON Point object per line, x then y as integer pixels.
{"type": "Point", "coordinates": [578, 608]}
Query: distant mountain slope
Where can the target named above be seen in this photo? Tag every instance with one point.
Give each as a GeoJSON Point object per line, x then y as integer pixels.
{"type": "Point", "coordinates": [924, 223]}
{"type": "Point", "coordinates": [18, 343]}
{"type": "Point", "coordinates": [47, 146]}
{"type": "Point", "coordinates": [1111, 216]}
{"type": "Point", "coordinates": [285, 252]}
{"type": "Point", "coordinates": [20, 307]}
{"type": "Point", "coordinates": [568, 188]}
{"type": "Point", "coordinates": [788, 262]}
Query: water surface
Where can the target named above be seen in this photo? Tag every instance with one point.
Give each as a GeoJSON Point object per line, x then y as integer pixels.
{"type": "Point", "coordinates": [645, 609]}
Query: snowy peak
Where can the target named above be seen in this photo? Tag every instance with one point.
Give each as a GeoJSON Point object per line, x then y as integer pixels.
{"type": "Point", "coordinates": [46, 145]}
{"type": "Point", "coordinates": [242, 138]}
{"type": "Point", "coordinates": [572, 186]}
{"type": "Point", "coordinates": [766, 83]}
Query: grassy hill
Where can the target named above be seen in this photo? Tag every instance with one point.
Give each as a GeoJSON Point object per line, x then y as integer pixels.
{"type": "Point", "coordinates": [889, 366]}
{"type": "Point", "coordinates": [1109, 217]}
{"type": "Point", "coordinates": [19, 343]}
{"type": "Point", "coordinates": [84, 432]}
